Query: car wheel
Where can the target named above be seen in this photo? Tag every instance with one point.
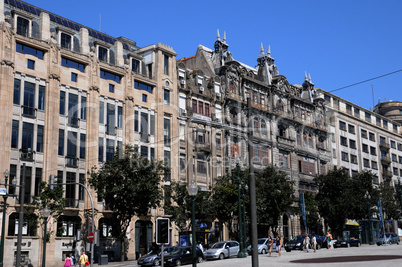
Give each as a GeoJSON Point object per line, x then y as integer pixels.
{"type": "Point", "coordinates": [200, 259]}
{"type": "Point", "coordinates": [378, 244]}
{"type": "Point", "coordinates": [263, 251]}
{"type": "Point", "coordinates": [157, 262]}
{"type": "Point", "coordinates": [221, 256]}
{"type": "Point", "coordinates": [397, 242]}
{"type": "Point", "coordinates": [178, 262]}
{"type": "Point", "coordinates": [288, 250]}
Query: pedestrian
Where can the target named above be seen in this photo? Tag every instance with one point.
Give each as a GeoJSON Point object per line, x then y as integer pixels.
{"type": "Point", "coordinates": [278, 245]}
{"type": "Point", "coordinates": [68, 262]}
{"type": "Point", "coordinates": [83, 259]}
{"type": "Point", "coordinates": [72, 259]}
{"type": "Point", "coordinates": [328, 238]}
{"type": "Point", "coordinates": [199, 245]}
{"type": "Point", "coordinates": [307, 242]}
{"type": "Point", "coordinates": [270, 244]}
{"type": "Point", "coordinates": [314, 243]}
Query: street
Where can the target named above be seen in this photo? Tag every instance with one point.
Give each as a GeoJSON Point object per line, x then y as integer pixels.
{"type": "Point", "coordinates": [287, 257]}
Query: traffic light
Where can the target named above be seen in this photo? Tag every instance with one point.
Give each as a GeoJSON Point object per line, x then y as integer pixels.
{"type": "Point", "coordinates": [162, 231]}
{"type": "Point", "coordinates": [51, 181]}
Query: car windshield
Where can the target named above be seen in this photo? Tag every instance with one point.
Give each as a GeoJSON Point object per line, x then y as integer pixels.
{"type": "Point", "coordinates": [177, 250]}
{"type": "Point", "coordinates": [261, 241]}
{"type": "Point", "coordinates": [218, 245]}
{"type": "Point", "coordinates": [152, 252]}
{"type": "Point", "coordinates": [297, 238]}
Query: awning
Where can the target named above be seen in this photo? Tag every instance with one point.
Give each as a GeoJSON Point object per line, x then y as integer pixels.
{"type": "Point", "coordinates": [352, 222]}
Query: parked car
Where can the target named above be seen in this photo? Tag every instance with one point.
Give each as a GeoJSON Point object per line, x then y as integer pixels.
{"type": "Point", "coordinates": [388, 238]}
{"type": "Point", "coordinates": [152, 258]}
{"type": "Point", "coordinates": [296, 243]}
{"type": "Point", "coordinates": [347, 242]}
{"type": "Point", "coordinates": [263, 246]}
{"type": "Point", "coordinates": [223, 249]}
{"type": "Point", "coordinates": [182, 255]}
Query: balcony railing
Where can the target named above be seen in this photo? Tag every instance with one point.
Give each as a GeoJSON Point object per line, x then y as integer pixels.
{"type": "Point", "coordinates": [110, 129]}
{"type": "Point", "coordinates": [203, 146]}
{"type": "Point", "coordinates": [144, 137]}
{"type": "Point", "coordinates": [71, 203]}
{"type": "Point", "coordinates": [384, 145]}
{"type": "Point", "coordinates": [285, 140]}
{"type": "Point", "coordinates": [387, 173]}
{"type": "Point", "coordinates": [385, 159]}
{"type": "Point", "coordinates": [28, 111]}
{"type": "Point", "coordinates": [27, 154]}
{"type": "Point", "coordinates": [71, 162]}
{"type": "Point", "coordinates": [73, 121]}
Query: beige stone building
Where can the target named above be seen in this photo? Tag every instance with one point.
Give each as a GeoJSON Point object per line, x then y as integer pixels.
{"type": "Point", "coordinates": [69, 96]}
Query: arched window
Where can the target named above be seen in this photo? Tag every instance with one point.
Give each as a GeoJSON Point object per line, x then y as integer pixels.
{"type": "Point", "coordinates": [68, 226]}
{"type": "Point", "coordinates": [279, 106]}
{"type": "Point", "coordinates": [282, 130]}
{"type": "Point", "coordinates": [28, 228]}
{"type": "Point", "coordinates": [256, 125]}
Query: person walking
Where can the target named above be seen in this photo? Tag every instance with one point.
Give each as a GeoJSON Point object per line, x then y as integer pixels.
{"type": "Point", "coordinates": [314, 243]}
{"type": "Point", "coordinates": [328, 238]}
{"type": "Point", "coordinates": [270, 245]}
{"type": "Point", "coordinates": [68, 262]}
{"type": "Point", "coordinates": [83, 259]}
{"type": "Point", "coordinates": [278, 245]}
{"type": "Point", "coordinates": [307, 242]}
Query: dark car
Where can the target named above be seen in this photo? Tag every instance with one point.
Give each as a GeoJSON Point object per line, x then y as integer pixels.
{"type": "Point", "coordinates": [152, 258]}
{"type": "Point", "coordinates": [182, 255]}
{"type": "Point", "coordinates": [297, 242]}
{"type": "Point", "coordinates": [347, 242]}
{"type": "Point", "coordinates": [388, 238]}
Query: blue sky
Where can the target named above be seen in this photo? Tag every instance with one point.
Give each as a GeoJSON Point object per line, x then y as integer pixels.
{"type": "Point", "coordinates": [339, 42]}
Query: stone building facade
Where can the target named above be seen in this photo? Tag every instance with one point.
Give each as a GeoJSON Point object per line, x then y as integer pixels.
{"type": "Point", "coordinates": [69, 96]}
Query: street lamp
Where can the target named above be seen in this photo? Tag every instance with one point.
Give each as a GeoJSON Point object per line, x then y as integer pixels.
{"type": "Point", "coordinates": [3, 223]}
{"type": "Point", "coordinates": [192, 191]}
{"type": "Point", "coordinates": [45, 214]}
{"type": "Point", "coordinates": [238, 180]}
{"type": "Point", "coordinates": [245, 188]}
{"type": "Point", "coordinates": [370, 238]}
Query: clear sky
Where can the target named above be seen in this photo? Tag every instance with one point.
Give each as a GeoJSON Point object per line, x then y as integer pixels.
{"type": "Point", "coordinates": [339, 42]}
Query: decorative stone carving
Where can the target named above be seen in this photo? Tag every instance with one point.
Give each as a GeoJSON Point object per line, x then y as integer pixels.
{"type": "Point", "coordinates": [94, 88]}
{"type": "Point", "coordinates": [7, 63]}
{"type": "Point", "coordinates": [130, 98]}
{"type": "Point", "coordinates": [54, 76]}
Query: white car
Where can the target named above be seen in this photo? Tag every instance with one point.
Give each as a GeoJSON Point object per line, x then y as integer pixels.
{"type": "Point", "coordinates": [223, 249]}
{"type": "Point", "coordinates": [263, 246]}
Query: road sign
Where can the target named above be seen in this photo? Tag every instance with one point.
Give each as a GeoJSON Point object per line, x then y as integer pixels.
{"type": "Point", "coordinates": [3, 191]}
{"type": "Point", "coordinates": [91, 236]}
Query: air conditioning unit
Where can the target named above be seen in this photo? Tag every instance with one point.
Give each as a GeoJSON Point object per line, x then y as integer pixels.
{"type": "Point", "coordinates": [218, 94]}
{"type": "Point", "coordinates": [201, 89]}
{"type": "Point", "coordinates": [182, 82]}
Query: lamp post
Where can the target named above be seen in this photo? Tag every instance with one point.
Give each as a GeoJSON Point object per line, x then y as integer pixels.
{"type": "Point", "coordinates": [192, 191]}
{"type": "Point", "coordinates": [237, 179]}
{"type": "Point", "coordinates": [3, 221]}
{"type": "Point", "coordinates": [46, 214]}
{"type": "Point", "coordinates": [370, 238]}
{"type": "Point", "coordinates": [245, 188]}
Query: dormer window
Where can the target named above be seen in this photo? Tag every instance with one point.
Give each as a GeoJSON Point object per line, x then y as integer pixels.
{"type": "Point", "coordinates": [103, 54]}
{"type": "Point", "coordinates": [66, 41]}
{"type": "Point", "coordinates": [23, 26]}
{"type": "Point", "coordinates": [135, 65]}
{"type": "Point", "coordinates": [199, 81]}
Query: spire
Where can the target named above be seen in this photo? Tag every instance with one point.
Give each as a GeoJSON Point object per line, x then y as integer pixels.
{"type": "Point", "coordinates": [261, 57]}
{"type": "Point", "coordinates": [305, 75]}
{"type": "Point", "coordinates": [269, 50]}
{"type": "Point", "coordinates": [309, 78]}
{"type": "Point", "coordinates": [224, 37]}
{"type": "Point", "coordinates": [218, 38]}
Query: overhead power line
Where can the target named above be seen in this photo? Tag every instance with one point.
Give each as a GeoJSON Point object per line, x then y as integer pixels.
{"type": "Point", "coordinates": [366, 80]}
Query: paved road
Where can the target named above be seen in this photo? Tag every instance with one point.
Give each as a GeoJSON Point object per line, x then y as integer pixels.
{"type": "Point", "coordinates": [285, 260]}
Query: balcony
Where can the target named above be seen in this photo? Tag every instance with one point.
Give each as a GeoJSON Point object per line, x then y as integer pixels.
{"type": "Point", "coordinates": [384, 145]}
{"type": "Point", "coordinates": [386, 173]}
{"type": "Point", "coordinates": [110, 129]}
{"type": "Point", "coordinates": [71, 162]}
{"type": "Point", "coordinates": [144, 137]}
{"type": "Point", "coordinates": [73, 121]}
{"type": "Point", "coordinates": [206, 147]}
{"type": "Point", "coordinates": [71, 203]}
{"type": "Point", "coordinates": [28, 111]}
{"type": "Point", "coordinates": [385, 159]}
{"type": "Point", "coordinates": [26, 154]}
{"type": "Point", "coordinates": [285, 140]}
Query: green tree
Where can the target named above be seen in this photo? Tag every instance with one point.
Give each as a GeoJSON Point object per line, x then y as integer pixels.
{"type": "Point", "coordinates": [389, 201]}
{"type": "Point", "coordinates": [312, 215]}
{"type": "Point", "coordinates": [274, 195]}
{"type": "Point", "coordinates": [52, 199]}
{"type": "Point", "coordinates": [130, 185]}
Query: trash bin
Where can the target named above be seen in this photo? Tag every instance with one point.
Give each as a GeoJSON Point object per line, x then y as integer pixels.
{"type": "Point", "coordinates": [103, 260]}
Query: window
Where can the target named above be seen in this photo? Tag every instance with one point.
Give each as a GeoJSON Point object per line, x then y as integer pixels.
{"type": "Point", "coordinates": [120, 117]}
{"type": "Point", "coordinates": [22, 26]}
{"type": "Point", "coordinates": [349, 109]}
{"type": "Point", "coordinates": [321, 142]}
{"type": "Point", "coordinates": [357, 112]}
{"type": "Point", "coordinates": [110, 118]}
{"type": "Point", "coordinates": [14, 134]}
{"type": "Point", "coordinates": [365, 148]}
{"type": "Point", "coordinates": [342, 125]}
{"type": "Point", "coordinates": [234, 147]}
{"type": "Point", "coordinates": [351, 129]}
{"type": "Point", "coordinates": [374, 165]}
{"type": "Point", "coordinates": [68, 225]}
{"type": "Point", "coordinates": [166, 96]}
{"type": "Point", "coordinates": [364, 134]}
{"type": "Point", "coordinates": [17, 88]}
{"type": "Point", "coordinates": [394, 157]}
{"type": "Point", "coordinates": [327, 99]}
{"type": "Point", "coordinates": [234, 116]}
{"type": "Point", "coordinates": [373, 151]}
{"type": "Point", "coordinates": [65, 41]}
{"type": "Point", "coordinates": [83, 108]}
{"type": "Point", "coordinates": [29, 99]}
{"type": "Point", "coordinates": [101, 112]}
{"type": "Point", "coordinates": [144, 98]}
{"type": "Point", "coordinates": [260, 155]}
{"type": "Point", "coordinates": [310, 141]}
{"type": "Point", "coordinates": [201, 167]}
{"type": "Point", "coordinates": [72, 109]}
{"type": "Point", "coordinates": [28, 228]}
{"type": "Point", "coordinates": [111, 88]}
{"type": "Point", "coordinates": [61, 143]}
{"type": "Point", "coordinates": [135, 121]}
{"type": "Point", "coordinates": [135, 65]}
{"type": "Point", "coordinates": [366, 163]}
{"type": "Point", "coordinates": [102, 53]}
{"type": "Point", "coordinates": [399, 146]}
{"type": "Point", "coordinates": [109, 149]}
{"type": "Point", "coordinates": [31, 64]}
{"type": "Point", "coordinates": [353, 159]}
{"type": "Point", "coordinates": [263, 127]}
{"type": "Point", "coordinates": [68, 63]}
{"type": "Point", "coordinates": [378, 121]}
{"type": "Point", "coordinates": [393, 144]}
{"type": "Point", "coordinates": [152, 125]}
{"type": "Point", "coordinates": [352, 143]}
{"type": "Point", "coordinates": [382, 140]}
{"type": "Point", "coordinates": [385, 124]}
{"type": "Point", "coordinates": [27, 136]}
{"type": "Point", "coordinates": [279, 106]}
{"type": "Point", "coordinates": [256, 125]}
{"type": "Point", "coordinates": [39, 139]}
{"type": "Point", "coordinates": [110, 76]}
{"type": "Point", "coordinates": [41, 98]}
{"type": "Point", "coordinates": [200, 108]}
{"type": "Point", "coordinates": [395, 171]}
{"type": "Point", "coordinates": [106, 227]}
{"type": "Point", "coordinates": [167, 161]}
{"type": "Point", "coordinates": [100, 149]}
{"type": "Point", "coordinates": [29, 50]}
{"type": "Point", "coordinates": [143, 86]}
{"type": "Point", "coordinates": [149, 68]}
{"type": "Point", "coordinates": [82, 145]}
{"type": "Point", "coordinates": [166, 65]}
{"type": "Point", "coordinates": [71, 149]}
{"type": "Point", "coordinates": [368, 117]}
{"type": "Point", "coordinates": [282, 131]}
{"type": "Point", "coordinates": [166, 131]}
{"type": "Point", "coordinates": [62, 103]}
{"type": "Point", "coordinates": [345, 156]}
{"type": "Point", "coordinates": [283, 159]}
{"type": "Point", "coordinates": [206, 109]}
{"type": "Point", "coordinates": [395, 128]}
{"type": "Point", "coordinates": [344, 141]}
{"type": "Point", "coordinates": [307, 165]}
{"type": "Point", "coordinates": [372, 137]}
